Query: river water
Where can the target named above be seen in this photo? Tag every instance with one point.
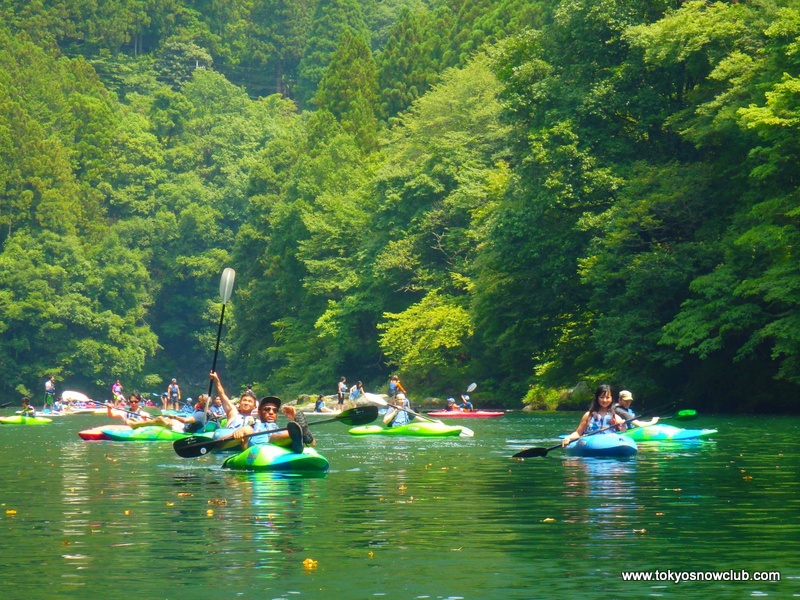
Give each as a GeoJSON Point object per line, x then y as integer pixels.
{"type": "Point", "coordinates": [403, 518]}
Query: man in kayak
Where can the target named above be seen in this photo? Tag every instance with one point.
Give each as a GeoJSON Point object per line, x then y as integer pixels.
{"type": "Point", "coordinates": [623, 409]}
{"type": "Point", "coordinates": [135, 417]}
{"type": "Point", "coordinates": [242, 421]}
{"type": "Point", "coordinates": [466, 405]}
{"type": "Point", "coordinates": [133, 413]}
{"type": "Point", "coordinates": [27, 409]}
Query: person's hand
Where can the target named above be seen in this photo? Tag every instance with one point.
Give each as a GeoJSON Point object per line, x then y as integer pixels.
{"type": "Point", "coordinates": [290, 412]}
{"type": "Point", "coordinates": [566, 441]}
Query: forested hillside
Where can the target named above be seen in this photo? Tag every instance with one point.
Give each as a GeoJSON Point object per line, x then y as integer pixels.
{"type": "Point", "coordinates": [526, 194]}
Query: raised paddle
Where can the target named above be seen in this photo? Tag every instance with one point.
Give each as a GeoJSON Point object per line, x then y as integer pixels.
{"type": "Point", "coordinates": [531, 452]}
{"type": "Point", "coordinates": [192, 447]}
{"type": "Point", "coordinates": [225, 290]}
{"type": "Point", "coordinates": [465, 431]}
{"type": "Point", "coordinates": [6, 404]}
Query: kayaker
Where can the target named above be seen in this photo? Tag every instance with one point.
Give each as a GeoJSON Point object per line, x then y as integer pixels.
{"type": "Point", "coordinates": [133, 413]}
{"type": "Point", "coordinates": [217, 410]}
{"type": "Point", "coordinates": [466, 405]}
{"type": "Point", "coordinates": [27, 409]}
{"type": "Point", "coordinates": [190, 424]}
{"type": "Point", "coordinates": [237, 416]}
{"type": "Point", "coordinates": [297, 435]}
{"type": "Point", "coordinates": [452, 406]}
{"type": "Point", "coordinates": [396, 416]}
{"type": "Point", "coordinates": [623, 409]}
{"type": "Point", "coordinates": [599, 416]}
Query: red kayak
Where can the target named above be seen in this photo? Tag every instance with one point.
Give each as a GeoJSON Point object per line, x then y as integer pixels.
{"type": "Point", "coordinates": [457, 414]}
{"type": "Point", "coordinates": [96, 433]}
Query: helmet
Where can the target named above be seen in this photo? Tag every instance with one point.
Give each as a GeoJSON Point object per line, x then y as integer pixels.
{"type": "Point", "coordinates": [451, 400]}
{"type": "Point", "coordinates": [465, 397]}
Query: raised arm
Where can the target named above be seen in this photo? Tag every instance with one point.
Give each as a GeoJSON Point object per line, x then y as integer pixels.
{"type": "Point", "coordinates": [230, 410]}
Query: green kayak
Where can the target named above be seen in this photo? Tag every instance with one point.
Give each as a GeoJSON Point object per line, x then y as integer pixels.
{"type": "Point", "coordinates": [422, 428]}
{"type": "Point", "coordinates": [268, 457]}
{"type": "Point", "coordinates": [664, 433]}
{"type": "Point", "coordinates": [148, 433]}
{"type": "Point", "coordinates": [24, 420]}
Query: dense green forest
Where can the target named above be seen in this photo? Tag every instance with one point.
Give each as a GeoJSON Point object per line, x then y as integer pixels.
{"type": "Point", "coordinates": [530, 194]}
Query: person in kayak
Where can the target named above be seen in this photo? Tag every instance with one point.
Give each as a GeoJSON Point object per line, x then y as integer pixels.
{"type": "Point", "coordinates": [623, 409]}
{"type": "Point", "coordinates": [599, 416]}
{"type": "Point", "coordinates": [452, 406]}
{"type": "Point", "coordinates": [242, 421]}
{"type": "Point", "coordinates": [27, 409]}
{"type": "Point", "coordinates": [217, 410]}
{"type": "Point", "coordinates": [297, 435]}
{"type": "Point", "coordinates": [397, 415]}
{"type": "Point", "coordinates": [466, 405]}
{"type": "Point", "coordinates": [133, 413]}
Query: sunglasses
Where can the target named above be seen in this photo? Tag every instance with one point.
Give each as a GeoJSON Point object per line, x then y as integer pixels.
{"type": "Point", "coordinates": [270, 409]}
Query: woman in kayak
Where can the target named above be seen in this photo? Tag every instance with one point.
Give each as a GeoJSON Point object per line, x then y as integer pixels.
{"type": "Point", "coordinates": [623, 409]}
{"type": "Point", "coordinates": [397, 415]}
{"type": "Point", "coordinates": [452, 406]}
{"type": "Point", "coordinates": [599, 416]}
{"type": "Point", "coordinates": [133, 413]}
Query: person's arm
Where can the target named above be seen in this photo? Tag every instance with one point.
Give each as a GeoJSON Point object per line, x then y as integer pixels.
{"type": "Point", "coordinates": [390, 415]}
{"type": "Point", "coordinates": [639, 423]}
{"type": "Point", "coordinates": [230, 410]}
{"type": "Point", "coordinates": [578, 432]}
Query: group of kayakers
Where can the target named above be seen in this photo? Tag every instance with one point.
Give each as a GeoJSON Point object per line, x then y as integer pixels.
{"type": "Point", "coordinates": [243, 419]}
{"type": "Point", "coordinates": [605, 414]}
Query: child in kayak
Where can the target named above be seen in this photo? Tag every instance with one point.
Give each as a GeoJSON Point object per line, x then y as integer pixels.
{"type": "Point", "coordinates": [599, 416]}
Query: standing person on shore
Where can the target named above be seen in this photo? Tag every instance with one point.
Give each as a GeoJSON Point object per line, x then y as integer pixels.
{"type": "Point", "coordinates": [395, 387]}
{"type": "Point", "coordinates": [341, 392]}
{"type": "Point", "coordinates": [49, 392]}
{"type": "Point", "coordinates": [174, 395]}
{"type": "Point", "coordinates": [356, 391]}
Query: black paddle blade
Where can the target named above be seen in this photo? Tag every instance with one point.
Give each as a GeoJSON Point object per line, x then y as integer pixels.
{"type": "Point", "coordinates": [360, 415]}
{"type": "Point", "coordinates": [193, 446]}
{"type": "Point", "coordinates": [531, 452]}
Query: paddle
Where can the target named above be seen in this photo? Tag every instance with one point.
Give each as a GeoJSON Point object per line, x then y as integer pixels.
{"type": "Point", "coordinates": [6, 404]}
{"type": "Point", "coordinates": [530, 452]}
{"type": "Point", "coordinates": [192, 447]}
{"type": "Point", "coordinates": [465, 431]}
{"type": "Point", "coordinates": [225, 290]}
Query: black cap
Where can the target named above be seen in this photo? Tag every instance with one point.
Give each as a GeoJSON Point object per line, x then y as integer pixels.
{"type": "Point", "coordinates": [269, 400]}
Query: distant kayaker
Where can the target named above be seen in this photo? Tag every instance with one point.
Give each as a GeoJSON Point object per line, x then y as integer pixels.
{"type": "Point", "coordinates": [452, 406]}
{"type": "Point", "coordinates": [466, 405]}
{"type": "Point", "coordinates": [599, 416]}
{"type": "Point", "coordinates": [217, 410]}
{"type": "Point", "coordinates": [396, 415]}
{"type": "Point", "coordinates": [190, 424]}
{"type": "Point", "coordinates": [623, 409]}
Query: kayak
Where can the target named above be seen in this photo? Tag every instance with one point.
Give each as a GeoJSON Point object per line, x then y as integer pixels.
{"type": "Point", "coordinates": [96, 433]}
{"type": "Point", "coordinates": [148, 433]}
{"type": "Point", "coordinates": [23, 420]}
{"type": "Point", "coordinates": [657, 433]}
{"type": "Point", "coordinates": [457, 414]}
{"type": "Point", "coordinates": [71, 396]}
{"type": "Point", "coordinates": [269, 457]}
{"type": "Point", "coordinates": [604, 445]}
{"type": "Point", "coordinates": [46, 413]}
{"type": "Point", "coordinates": [423, 428]}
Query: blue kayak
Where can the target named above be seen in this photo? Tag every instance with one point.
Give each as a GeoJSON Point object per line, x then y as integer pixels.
{"type": "Point", "coordinates": [604, 445]}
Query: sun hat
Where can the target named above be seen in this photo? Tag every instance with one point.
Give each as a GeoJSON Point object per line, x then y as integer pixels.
{"type": "Point", "coordinates": [625, 395]}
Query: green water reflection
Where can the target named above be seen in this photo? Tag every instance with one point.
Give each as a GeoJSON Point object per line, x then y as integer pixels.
{"type": "Point", "coordinates": [401, 518]}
